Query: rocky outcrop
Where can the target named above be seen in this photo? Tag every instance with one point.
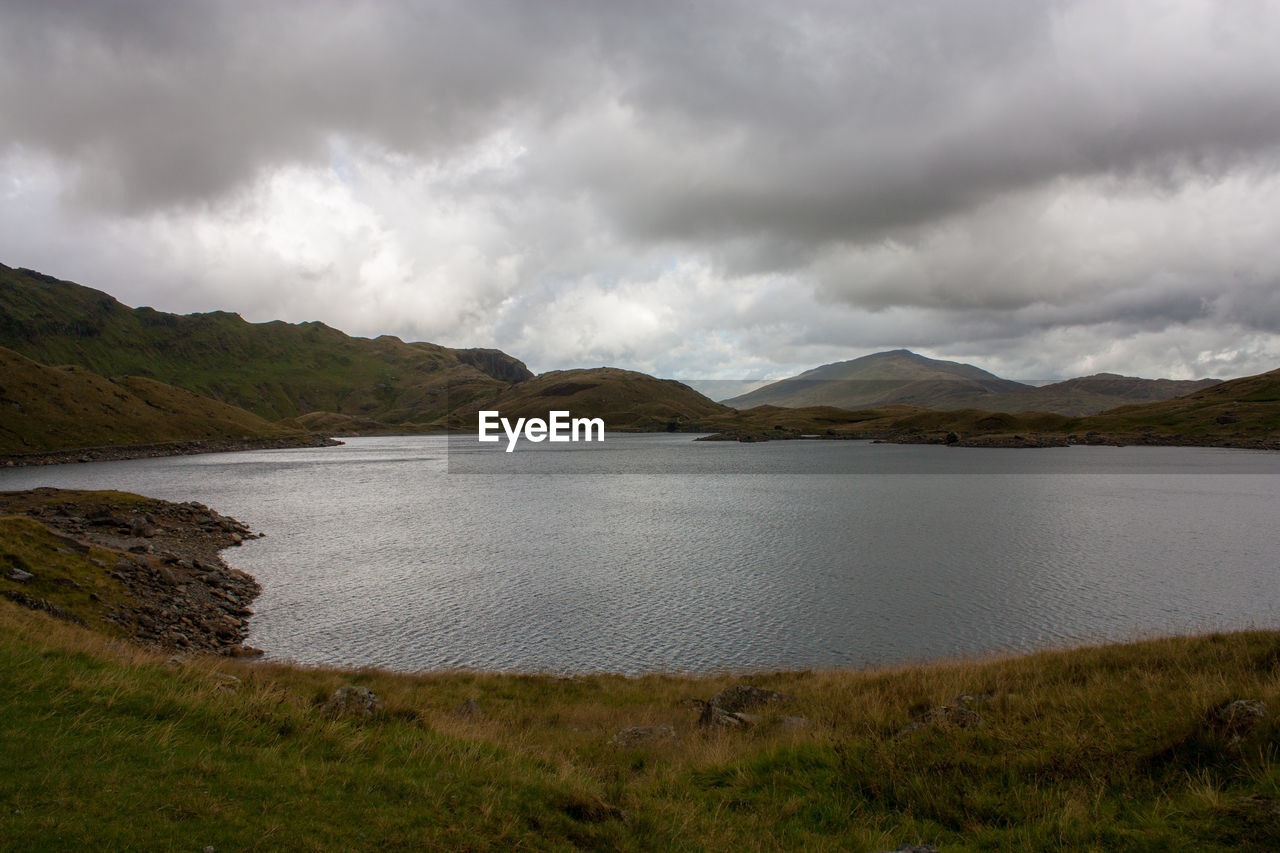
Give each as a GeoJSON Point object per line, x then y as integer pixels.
{"type": "Point", "coordinates": [1233, 721]}
{"type": "Point", "coordinates": [958, 715]}
{"type": "Point", "coordinates": [45, 606]}
{"type": "Point", "coordinates": [495, 363]}
{"type": "Point", "coordinates": [354, 701]}
{"type": "Point", "coordinates": [731, 707]}
{"type": "Point", "coordinates": [181, 595]}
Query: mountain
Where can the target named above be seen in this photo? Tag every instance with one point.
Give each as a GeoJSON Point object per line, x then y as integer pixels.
{"type": "Point", "coordinates": [901, 377]}
{"type": "Point", "coordinates": [1241, 412]}
{"type": "Point", "coordinates": [53, 408]}
{"type": "Point", "coordinates": [881, 379]}
{"type": "Point", "coordinates": [316, 377]}
{"type": "Point", "coordinates": [1088, 395]}
{"type": "Point", "coordinates": [275, 370]}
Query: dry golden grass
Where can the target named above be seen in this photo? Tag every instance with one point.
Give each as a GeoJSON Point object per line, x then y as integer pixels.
{"type": "Point", "coordinates": [1093, 748]}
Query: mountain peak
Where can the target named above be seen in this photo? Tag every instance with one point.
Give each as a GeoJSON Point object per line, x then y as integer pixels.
{"type": "Point", "coordinates": [882, 378]}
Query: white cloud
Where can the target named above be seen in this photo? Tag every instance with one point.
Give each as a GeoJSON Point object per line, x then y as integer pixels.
{"type": "Point", "coordinates": [716, 190]}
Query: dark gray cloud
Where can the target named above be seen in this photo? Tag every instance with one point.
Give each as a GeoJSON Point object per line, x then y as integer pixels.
{"type": "Point", "coordinates": [741, 187]}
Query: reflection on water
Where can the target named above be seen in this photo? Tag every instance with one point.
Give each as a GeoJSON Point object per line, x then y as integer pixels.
{"type": "Point", "coordinates": [655, 552]}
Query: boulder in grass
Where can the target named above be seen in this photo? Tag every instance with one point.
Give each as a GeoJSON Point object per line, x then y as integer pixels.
{"type": "Point", "coordinates": [353, 700]}
{"type": "Point", "coordinates": [729, 707]}
{"type": "Point", "coordinates": [468, 710]}
{"type": "Point", "coordinates": [944, 716]}
{"type": "Point", "coordinates": [1233, 720]}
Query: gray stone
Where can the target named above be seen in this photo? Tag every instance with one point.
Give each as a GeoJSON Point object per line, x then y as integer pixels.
{"type": "Point", "coordinates": [470, 709]}
{"type": "Point", "coordinates": [943, 716]}
{"type": "Point", "coordinates": [20, 576]}
{"type": "Point", "coordinates": [717, 718]}
{"type": "Point", "coordinates": [1236, 719]}
{"type": "Point", "coordinates": [726, 708]}
{"type": "Point", "coordinates": [139, 526]}
{"type": "Point", "coordinates": [354, 700]}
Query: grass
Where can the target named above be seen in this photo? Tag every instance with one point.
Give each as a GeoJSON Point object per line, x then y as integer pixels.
{"type": "Point", "coordinates": [52, 408]}
{"type": "Point", "coordinates": [109, 746]}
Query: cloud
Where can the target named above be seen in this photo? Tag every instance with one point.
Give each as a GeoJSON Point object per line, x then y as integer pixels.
{"type": "Point", "coordinates": [716, 189]}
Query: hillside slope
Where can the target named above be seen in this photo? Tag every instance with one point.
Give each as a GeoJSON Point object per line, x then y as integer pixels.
{"type": "Point", "coordinates": [1249, 406]}
{"type": "Point", "coordinates": [52, 408]}
{"type": "Point", "coordinates": [275, 370]}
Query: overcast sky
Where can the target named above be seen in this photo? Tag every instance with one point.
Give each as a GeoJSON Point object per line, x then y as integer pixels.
{"type": "Point", "coordinates": [693, 189]}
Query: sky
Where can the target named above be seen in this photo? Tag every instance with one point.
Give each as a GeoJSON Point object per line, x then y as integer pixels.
{"type": "Point", "coordinates": [691, 189]}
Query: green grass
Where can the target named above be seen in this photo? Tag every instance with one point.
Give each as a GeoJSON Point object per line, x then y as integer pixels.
{"type": "Point", "coordinates": [53, 408]}
{"type": "Point", "coordinates": [107, 746]}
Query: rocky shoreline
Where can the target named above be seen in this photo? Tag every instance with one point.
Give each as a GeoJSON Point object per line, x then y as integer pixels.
{"type": "Point", "coordinates": [178, 593]}
{"type": "Point", "coordinates": [115, 452]}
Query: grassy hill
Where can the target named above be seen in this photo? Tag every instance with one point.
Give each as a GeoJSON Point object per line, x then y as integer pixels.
{"type": "Point", "coordinates": [275, 370]}
{"type": "Point", "coordinates": [625, 399]}
{"type": "Point", "coordinates": [1249, 406]}
{"type": "Point", "coordinates": [52, 408]}
{"type": "Point", "coordinates": [318, 377]}
{"type": "Point", "coordinates": [112, 746]}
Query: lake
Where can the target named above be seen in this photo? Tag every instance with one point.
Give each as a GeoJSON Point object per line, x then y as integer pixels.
{"type": "Point", "coordinates": [658, 553]}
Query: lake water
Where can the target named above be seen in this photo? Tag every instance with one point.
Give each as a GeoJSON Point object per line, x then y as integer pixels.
{"type": "Point", "coordinates": [655, 552]}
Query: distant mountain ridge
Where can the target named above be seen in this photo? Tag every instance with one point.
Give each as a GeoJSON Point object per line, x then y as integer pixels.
{"type": "Point", "coordinates": [901, 377]}
{"type": "Point", "coordinates": [1088, 395]}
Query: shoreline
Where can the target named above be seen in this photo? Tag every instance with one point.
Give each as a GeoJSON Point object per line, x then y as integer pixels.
{"type": "Point", "coordinates": [193, 447]}
{"type": "Point", "coordinates": [151, 568]}
{"type": "Point", "coordinates": [1012, 440]}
